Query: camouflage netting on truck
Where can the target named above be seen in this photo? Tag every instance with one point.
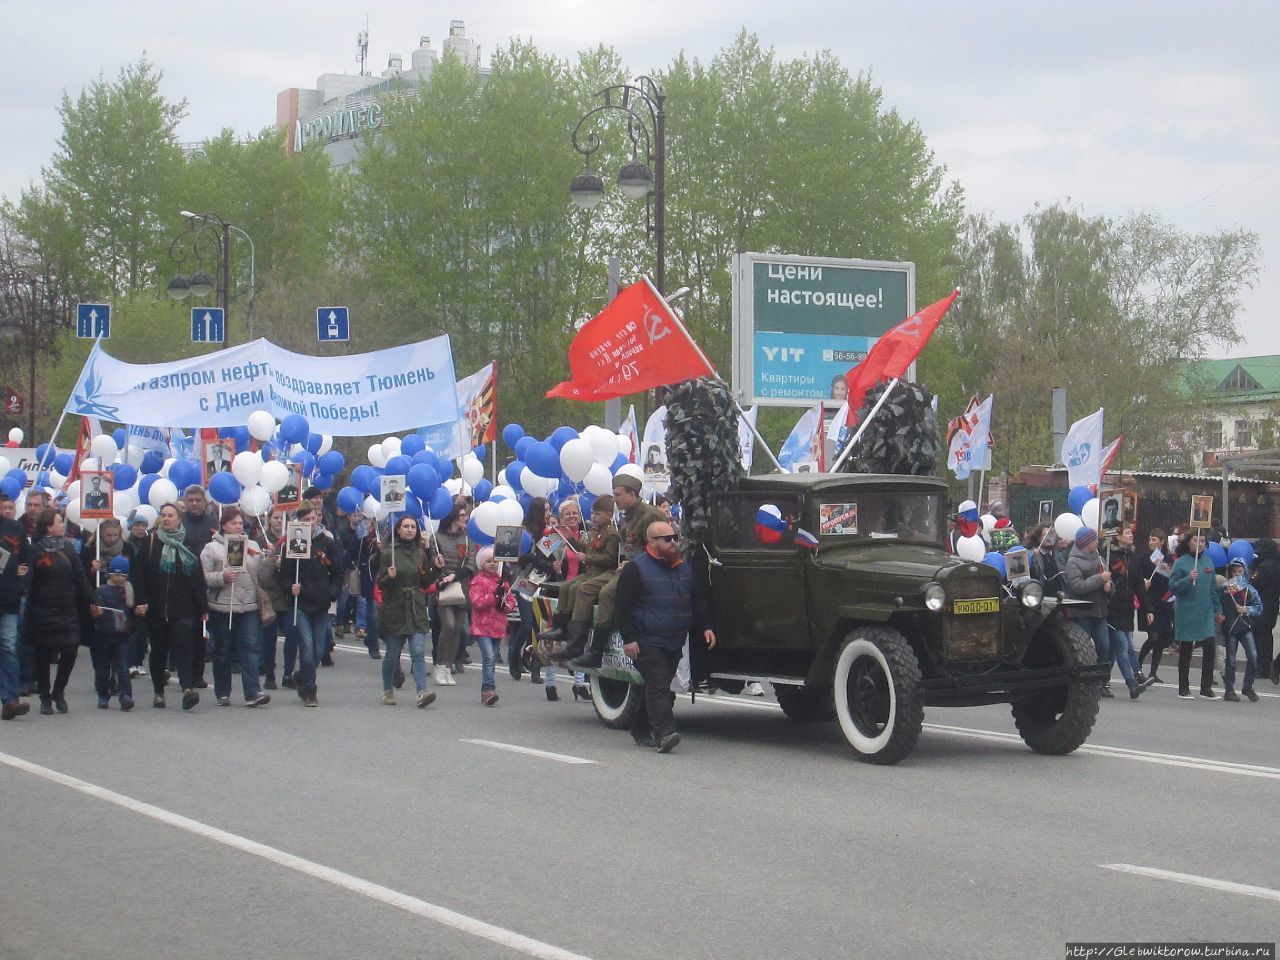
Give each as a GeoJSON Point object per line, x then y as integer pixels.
{"type": "Point", "coordinates": [902, 438]}
{"type": "Point", "coordinates": [702, 449]}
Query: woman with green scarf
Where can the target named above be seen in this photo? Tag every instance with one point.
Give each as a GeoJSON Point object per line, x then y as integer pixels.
{"type": "Point", "coordinates": [169, 589]}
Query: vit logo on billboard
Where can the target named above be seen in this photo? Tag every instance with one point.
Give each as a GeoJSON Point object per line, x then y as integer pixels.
{"type": "Point", "coordinates": [802, 322]}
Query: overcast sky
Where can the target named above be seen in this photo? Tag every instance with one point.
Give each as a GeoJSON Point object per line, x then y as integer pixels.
{"type": "Point", "coordinates": [1171, 107]}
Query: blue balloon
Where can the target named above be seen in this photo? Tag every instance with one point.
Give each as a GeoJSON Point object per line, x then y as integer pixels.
{"type": "Point", "coordinates": [440, 505]}
{"type": "Point", "coordinates": [413, 506]}
{"type": "Point", "coordinates": [543, 459]}
{"type": "Point", "coordinates": [585, 501]}
{"type": "Point", "coordinates": [412, 444]}
{"type": "Point", "coordinates": [331, 463]}
{"type": "Point", "coordinates": [17, 473]}
{"type": "Point", "coordinates": [526, 542]}
{"type": "Point", "coordinates": [1078, 497]}
{"type": "Point", "coordinates": [444, 468]}
{"type": "Point", "coordinates": [308, 461]}
{"type": "Point", "coordinates": [398, 465]}
{"type": "Point", "coordinates": [46, 454]}
{"type": "Point", "coordinates": [482, 490]}
{"type": "Point", "coordinates": [42, 479]}
{"type": "Point", "coordinates": [477, 535]}
{"type": "Point", "coordinates": [294, 428]}
{"type": "Point", "coordinates": [322, 481]}
{"type": "Point", "coordinates": [422, 480]}
{"type": "Point", "coordinates": [125, 475]}
{"type": "Point", "coordinates": [618, 462]}
{"type": "Point", "coordinates": [1241, 550]}
{"type": "Point", "coordinates": [514, 470]}
{"type": "Point", "coordinates": [363, 478]}
{"type": "Point", "coordinates": [349, 499]}
{"type": "Point", "coordinates": [241, 436]}
{"type": "Point", "coordinates": [996, 560]}
{"type": "Point", "coordinates": [425, 456]}
{"type": "Point", "coordinates": [480, 451]}
{"type": "Point", "coordinates": [268, 451]}
{"type": "Point", "coordinates": [11, 488]}
{"type": "Point", "coordinates": [144, 486]}
{"type": "Point", "coordinates": [523, 445]}
{"type": "Point", "coordinates": [224, 488]}
{"type": "Point", "coordinates": [121, 437]}
{"type": "Point", "coordinates": [511, 434]}
{"type": "Point", "coordinates": [227, 433]}
{"type": "Point", "coordinates": [525, 499]}
{"type": "Point", "coordinates": [64, 462]}
{"type": "Point", "coordinates": [152, 461]}
{"type": "Point", "coordinates": [561, 436]}
{"type": "Point", "coordinates": [1217, 554]}
{"type": "Point", "coordinates": [313, 443]}
{"type": "Point", "coordinates": [184, 473]}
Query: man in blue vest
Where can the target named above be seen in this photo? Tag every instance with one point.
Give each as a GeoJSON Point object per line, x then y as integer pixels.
{"type": "Point", "coordinates": [659, 601]}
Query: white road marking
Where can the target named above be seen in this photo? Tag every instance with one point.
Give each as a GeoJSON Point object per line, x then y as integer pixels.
{"type": "Point", "coordinates": [514, 748]}
{"type": "Point", "coordinates": [374, 891]}
{"type": "Point", "coordinates": [1225, 886]}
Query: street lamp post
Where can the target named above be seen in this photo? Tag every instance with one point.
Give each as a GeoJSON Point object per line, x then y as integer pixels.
{"type": "Point", "coordinates": [204, 229]}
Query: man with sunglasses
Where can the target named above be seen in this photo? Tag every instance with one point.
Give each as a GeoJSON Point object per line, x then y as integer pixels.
{"type": "Point", "coordinates": [659, 600]}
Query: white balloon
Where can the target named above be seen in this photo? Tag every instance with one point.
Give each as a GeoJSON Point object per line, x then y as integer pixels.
{"type": "Point", "coordinates": [273, 476]}
{"type": "Point", "coordinates": [624, 445]}
{"type": "Point", "coordinates": [988, 523]}
{"type": "Point", "coordinates": [255, 501]}
{"type": "Point", "coordinates": [15, 435]}
{"type": "Point", "coordinates": [1089, 513]}
{"type": "Point", "coordinates": [390, 448]}
{"type": "Point", "coordinates": [472, 470]}
{"type": "Point", "coordinates": [429, 524]}
{"type": "Point", "coordinates": [104, 448]}
{"type": "Point", "coordinates": [511, 513]}
{"type": "Point", "coordinates": [487, 517]}
{"type": "Point", "coordinates": [134, 456]}
{"type": "Point", "coordinates": [535, 485]}
{"type": "Point", "coordinates": [598, 481]}
{"type": "Point", "coordinates": [149, 513]}
{"type": "Point", "coordinates": [73, 510]}
{"type": "Point", "coordinates": [124, 502]}
{"type": "Point", "coordinates": [73, 490]}
{"type": "Point", "coordinates": [502, 491]}
{"type": "Point", "coordinates": [376, 457]}
{"type": "Point", "coordinates": [576, 458]}
{"type": "Point", "coordinates": [162, 491]}
{"type": "Point", "coordinates": [326, 444]}
{"type": "Point", "coordinates": [371, 507]}
{"type": "Point", "coordinates": [91, 464]}
{"type": "Point", "coordinates": [604, 443]}
{"type": "Point", "coordinates": [164, 467]}
{"type": "Point", "coordinates": [246, 467]}
{"type": "Point", "coordinates": [502, 479]}
{"type": "Point", "coordinates": [1066, 526]}
{"type": "Point", "coordinates": [56, 479]}
{"type": "Point", "coordinates": [262, 425]}
{"type": "Point", "coordinates": [631, 470]}
{"type": "Point", "coordinates": [454, 485]}
{"type": "Point", "coordinates": [971, 548]}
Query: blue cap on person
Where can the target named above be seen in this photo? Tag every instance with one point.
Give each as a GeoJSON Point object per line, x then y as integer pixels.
{"type": "Point", "coordinates": [118, 565]}
{"type": "Point", "coordinates": [1086, 536]}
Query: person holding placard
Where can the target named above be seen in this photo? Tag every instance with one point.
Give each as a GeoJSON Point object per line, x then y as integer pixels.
{"type": "Point", "coordinates": [13, 585]}
{"type": "Point", "coordinates": [459, 555]}
{"type": "Point", "coordinates": [232, 565]}
{"type": "Point", "coordinates": [406, 570]}
{"type": "Point", "coordinates": [1197, 606]}
{"type": "Point", "coordinates": [310, 574]}
{"type": "Point", "coordinates": [59, 602]}
{"type": "Point", "coordinates": [111, 645]}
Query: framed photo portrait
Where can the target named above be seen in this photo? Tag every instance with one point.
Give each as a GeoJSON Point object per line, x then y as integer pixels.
{"type": "Point", "coordinates": [216, 456]}
{"type": "Point", "coordinates": [97, 495]}
{"type": "Point", "coordinates": [297, 540]}
{"type": "Point", "coordinates": [1046, 512]}
{"type": "Point", "coordinates": [289, 497]}
{"type": "Point", "coordinates": [506, 543]}
{"type": "Point", "coordinates": [1201, 512]}
{"type": "Point", "coordinates": [235, 551]}
{"type": "Point", "coordinates": [393, 492]}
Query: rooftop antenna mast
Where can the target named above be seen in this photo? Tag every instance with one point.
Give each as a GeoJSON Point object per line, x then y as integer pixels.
{"type": "Point", "coordinates": [362, 48]}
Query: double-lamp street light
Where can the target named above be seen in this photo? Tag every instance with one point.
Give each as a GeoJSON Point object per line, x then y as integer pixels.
{"type": "Point", "coordinates": [204, 230]}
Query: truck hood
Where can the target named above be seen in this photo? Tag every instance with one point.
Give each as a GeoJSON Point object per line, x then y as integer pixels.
{"type": "Point", "coordinates": [888, 559]}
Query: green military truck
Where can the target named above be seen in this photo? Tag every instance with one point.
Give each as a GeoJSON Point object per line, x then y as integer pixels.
{"type": "Point", "coordinates": [846, 600]}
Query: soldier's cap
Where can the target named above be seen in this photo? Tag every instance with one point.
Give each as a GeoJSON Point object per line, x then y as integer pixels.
{"type": "Point", "coordinates": [627, 482]}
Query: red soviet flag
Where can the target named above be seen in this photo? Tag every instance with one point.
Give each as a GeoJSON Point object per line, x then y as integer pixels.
{"type": "Point", "coordinates": [894, 352]}
{"type": "Point", "coordinates": [634, 343]}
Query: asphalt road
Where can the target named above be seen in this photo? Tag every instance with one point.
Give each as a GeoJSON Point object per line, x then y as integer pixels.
{"type": "Point", "coordinates": [360, 830]}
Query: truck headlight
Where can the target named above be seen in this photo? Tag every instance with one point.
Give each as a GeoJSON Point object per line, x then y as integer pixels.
{"type": "Point", "coordinates": [935, 598]}
{"type": "Point", "coordinates": [1031, 594]}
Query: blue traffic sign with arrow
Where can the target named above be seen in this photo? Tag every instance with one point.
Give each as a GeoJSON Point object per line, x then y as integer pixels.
{"type": "Point", "coordinates": [93, 320]}
{"type": "Point", "coordinates": [207, 325]}
{"type": "Point", "coordinates": [332, 324]}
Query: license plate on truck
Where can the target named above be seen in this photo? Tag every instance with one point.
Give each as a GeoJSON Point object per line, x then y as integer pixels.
{"type": "Point", "coordinates": [981, 605]}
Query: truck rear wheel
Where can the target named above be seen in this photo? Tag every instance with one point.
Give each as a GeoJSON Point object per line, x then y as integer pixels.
{"type": "Point", "coordinates": [878, 699]}
{"type": "Point", "coordinates": [1057, 720]}
{"type": "Point", "coordinates": [805, 705]}
{"type": "Point", "coordinates": [615, 701]}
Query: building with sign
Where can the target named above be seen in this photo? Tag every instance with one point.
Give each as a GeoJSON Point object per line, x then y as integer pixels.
{"type": "Point", "coordinates": [335, 114]}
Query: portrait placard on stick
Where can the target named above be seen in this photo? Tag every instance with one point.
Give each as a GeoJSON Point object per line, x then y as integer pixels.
{"type": "Point", "coordinates": [97, 495]}
{"type": "Point", "coordinates": [1201, 512]}
{"type": "Point", "coordinates": [216, 457]}
{"type": "Point", "coordinates": [506, 543]}
{"type": "Point", "coordinates": [289, 496]}
{"type": "Point", "coordinates": [297, 541]}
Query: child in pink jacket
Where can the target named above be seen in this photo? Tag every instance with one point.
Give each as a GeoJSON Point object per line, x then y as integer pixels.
{"type": "Point", "coordinates": [491, 600]}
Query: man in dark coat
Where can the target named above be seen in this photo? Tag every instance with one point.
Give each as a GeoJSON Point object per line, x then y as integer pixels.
{"type": "Point", "coordinates": [13, 584]}
{"type": "Point", "coordinates": [1266, 580]}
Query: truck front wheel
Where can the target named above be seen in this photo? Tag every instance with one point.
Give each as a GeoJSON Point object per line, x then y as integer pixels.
{"type": "Point", "coordinates": [616, 701]}
{"type": "Point", "coordinates": [878, 698]}
{"type": "Point", "coordinates": [1057, 720]}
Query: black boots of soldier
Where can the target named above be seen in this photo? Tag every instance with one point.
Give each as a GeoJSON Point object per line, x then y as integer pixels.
{"type": "Point", "coordinates": [575, 641]}
{"type": "Point", "coordinates": [593, 659]}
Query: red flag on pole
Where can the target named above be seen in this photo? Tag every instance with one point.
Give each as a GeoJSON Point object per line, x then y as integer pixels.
{"type": "Point", "coordinates": [83, 440]}
{"type": "Point", "coordinates": [634, 343]}
{"type": "Point", "coordinates": [894, 352]}
{"type": "Point", "coordinates": [1109, 454]}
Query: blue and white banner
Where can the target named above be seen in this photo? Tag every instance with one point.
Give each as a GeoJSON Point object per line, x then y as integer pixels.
{"type": "Point", "coordinates": [357, 395]}
{"type": "Point", "coordinates": [1082, 450]}
{"type": "Point", "coordinates": [802, 451]}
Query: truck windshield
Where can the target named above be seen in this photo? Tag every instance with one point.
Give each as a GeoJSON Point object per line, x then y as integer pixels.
{"type": "Point", "coordinates": [910, 517]}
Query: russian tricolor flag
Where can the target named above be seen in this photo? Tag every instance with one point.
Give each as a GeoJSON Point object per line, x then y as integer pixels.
{"type": "Point", "coordinates": [769, 524]}
{"type": "Point", "coordinates": [806, 539]}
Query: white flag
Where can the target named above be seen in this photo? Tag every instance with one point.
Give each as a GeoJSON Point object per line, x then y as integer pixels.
{"type": "Point", "coordinates": [747, 439]}
{"type": "Point", "coordinates": [1082, 451]}
{"type": "Point", "coordinates": [654, 452]}
{"type": "Point", "coordinates": [631, 431]}
{"type": "Point", "coordinates": [802, 451]}
{"type": "Point", "coordinates": [980, 435]}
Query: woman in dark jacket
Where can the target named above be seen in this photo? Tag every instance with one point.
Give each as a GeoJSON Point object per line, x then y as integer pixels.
{"type": "Point", "coordinates": [537, 520]}
{"type": "Point", "coordinates": [406, 570]}
{"type": "Point", "coordinates": [1154, 567]}
{"type": "Point", "coordinates": [58, 601]}
{"type": "Point", "coordinates": [169, 589]}
{"type": "Point", "coordinates": [1265, 578]}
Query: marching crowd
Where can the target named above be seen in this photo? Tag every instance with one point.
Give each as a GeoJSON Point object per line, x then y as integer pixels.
{"type": "Point", "coordinates": [166, 601]}
{"type": "Point", "coordinates": [1172, 592]}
